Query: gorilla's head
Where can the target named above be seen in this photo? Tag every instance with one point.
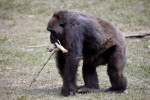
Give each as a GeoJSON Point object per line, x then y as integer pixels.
{"type": "Point", "coordinates": [56, 26]}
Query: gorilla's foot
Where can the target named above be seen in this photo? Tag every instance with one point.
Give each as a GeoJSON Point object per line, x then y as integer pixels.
{"type": "Point", "coordinates": [84, 89]}
{"type": "Point", "coordinates": [111, 90]}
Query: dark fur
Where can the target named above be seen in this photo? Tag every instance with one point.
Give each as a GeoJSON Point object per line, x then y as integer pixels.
{"type": "Point", "coordinates": [95, 40]}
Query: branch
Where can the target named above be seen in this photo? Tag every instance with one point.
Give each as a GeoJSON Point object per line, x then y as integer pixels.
{"type": "Point", "coordinates": [57, 48]}
{"type": "Point", "coordinates": [61, 48]}
{"type": "Point", "coordinates": [49, 49]}
{"type": "Point", "coordinates": [139, 34]}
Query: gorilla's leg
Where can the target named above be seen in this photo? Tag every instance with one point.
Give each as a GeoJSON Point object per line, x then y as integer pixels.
{"type": "Point", "coordinates": [90, 80]}
{"type": "Point", "coordinates": [115, 71]}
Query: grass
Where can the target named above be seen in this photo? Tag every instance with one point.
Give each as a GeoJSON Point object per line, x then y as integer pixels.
{"type": "Point", "coordinates": [24, 22]}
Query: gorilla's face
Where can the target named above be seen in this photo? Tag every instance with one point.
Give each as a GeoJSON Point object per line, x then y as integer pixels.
{"type": "Point", "coordinates": [56, 28]}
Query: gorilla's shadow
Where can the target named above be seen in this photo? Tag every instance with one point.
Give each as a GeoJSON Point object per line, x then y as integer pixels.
{"type": "Point", "coordinates": [55, 91]}
{"type": "Point", "coordinates": [44, 90]}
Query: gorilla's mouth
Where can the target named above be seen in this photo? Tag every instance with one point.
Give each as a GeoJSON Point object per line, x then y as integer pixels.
{"type": "Point", "coordinates": [53, 37]}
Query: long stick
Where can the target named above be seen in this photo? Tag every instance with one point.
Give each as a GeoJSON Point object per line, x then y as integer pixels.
{"type": "Point", "coordinates": [41, 69]}
{"type": "Point", "coordinates": [34, 46]}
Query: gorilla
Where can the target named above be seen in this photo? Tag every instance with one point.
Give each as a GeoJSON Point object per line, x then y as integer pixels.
{"type": "Point", "coordinates": [92, 39]}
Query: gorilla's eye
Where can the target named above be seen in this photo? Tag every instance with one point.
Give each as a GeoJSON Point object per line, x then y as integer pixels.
{"type": "Point", "coordinates": [62, 25]}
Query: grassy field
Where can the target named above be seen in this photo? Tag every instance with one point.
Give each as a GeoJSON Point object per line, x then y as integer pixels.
{"type": "Point", "coordinates": [24, 23]}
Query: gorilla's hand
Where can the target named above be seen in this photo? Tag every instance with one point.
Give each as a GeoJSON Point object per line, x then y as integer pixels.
{"type": "Point", "coordinates": [66, 91]}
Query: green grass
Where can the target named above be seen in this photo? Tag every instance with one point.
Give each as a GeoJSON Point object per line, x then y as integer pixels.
{"type": "Point", "coordinates": [18, 64]}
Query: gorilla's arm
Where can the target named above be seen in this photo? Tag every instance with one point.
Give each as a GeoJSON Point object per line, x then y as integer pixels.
{"type": "Point", "coordinates": [74, 47]}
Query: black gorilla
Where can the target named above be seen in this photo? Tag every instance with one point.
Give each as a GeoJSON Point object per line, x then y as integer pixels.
{"type": "Point", "coordinates": [92, 39]}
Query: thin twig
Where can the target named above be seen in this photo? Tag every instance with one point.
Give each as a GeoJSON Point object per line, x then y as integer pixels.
{"type": "Point", "coordinates": [41, 69]}
{"type": "Point", "coordinates": [55, 49]}
{"type": "Point", "coordinates": [36, 46]}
